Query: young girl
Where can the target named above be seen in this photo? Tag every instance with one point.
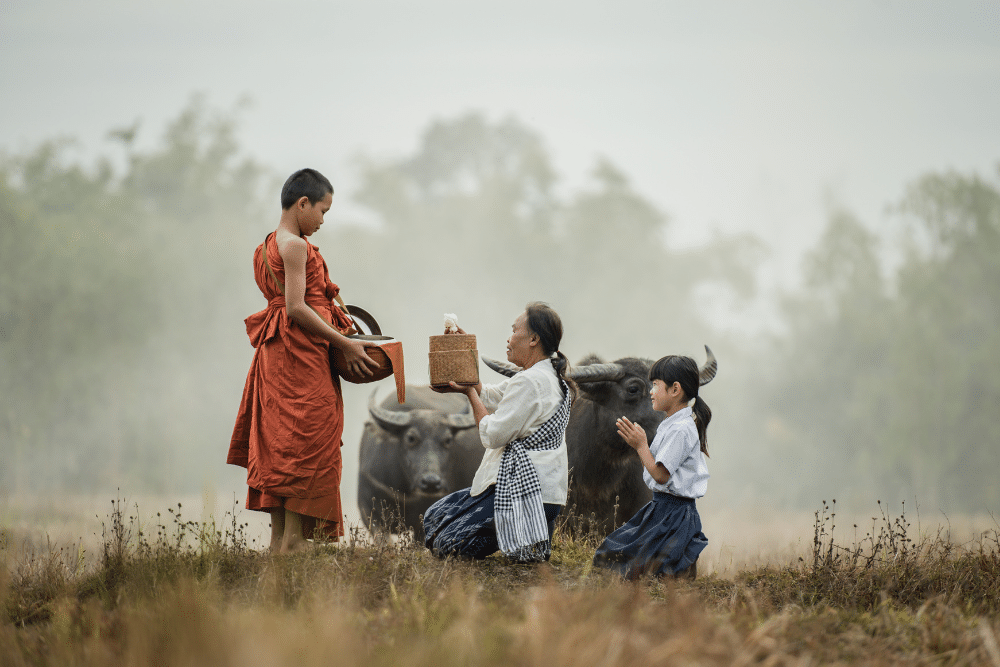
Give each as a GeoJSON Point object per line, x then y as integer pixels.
{"type": "Point", "coordinates": [665, 537]}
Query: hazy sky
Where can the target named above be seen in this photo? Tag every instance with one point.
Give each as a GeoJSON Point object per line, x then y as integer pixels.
{"type": "Point", "coordinates": [729, 116]}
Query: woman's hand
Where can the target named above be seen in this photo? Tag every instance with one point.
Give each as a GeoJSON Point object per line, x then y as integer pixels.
{"type": "Point", "coordinates": [631, 433]}
{"type": "Point", "coordinates": [448, 330]}
{"type": "Point", "coordinates": [455, 388]}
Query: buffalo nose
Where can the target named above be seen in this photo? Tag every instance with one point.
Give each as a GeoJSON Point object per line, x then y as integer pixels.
{"type": "Point", "coordinates": [431, 483]}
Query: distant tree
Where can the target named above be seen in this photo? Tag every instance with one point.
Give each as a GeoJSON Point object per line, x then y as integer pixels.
{"type": "Point", "coordinates": [947, 353]}
{"type": "Point", "coordinates": [468, 216]}
{"type": "Point", "coordinates": [114, 287]}
{"type": "Point", "coordinates": [635, 293]}
{"type": "Point", "coordinates": [73, 269]}
{"type": "Point", "coordinates": [471, 220]}
{"type": "Point", "coordinates": [121, 319]}
{"type": "Point", "coordinates": [832, 366]}
{"type": "Point", "coordinates": [890, 388]}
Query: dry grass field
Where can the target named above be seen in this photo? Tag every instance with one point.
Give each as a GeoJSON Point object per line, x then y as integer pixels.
{"type": "Point", "coordinates": [176, 590]}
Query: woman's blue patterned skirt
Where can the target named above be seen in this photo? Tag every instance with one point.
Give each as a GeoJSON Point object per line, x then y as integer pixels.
{"type": "Point", "coordinates": [664, 537]}
{"type": "Point", "coordinates": [463, 525]}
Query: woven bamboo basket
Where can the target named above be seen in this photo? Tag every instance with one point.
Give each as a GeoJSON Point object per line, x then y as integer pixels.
{"type": "Point", "coordinates": [454, 358]}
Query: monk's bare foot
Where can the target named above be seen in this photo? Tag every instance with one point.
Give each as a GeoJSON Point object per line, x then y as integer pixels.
{"type": "Point", "coordinates": [295, 545]}
{"type": "Point", "coordinates": [277, 529]}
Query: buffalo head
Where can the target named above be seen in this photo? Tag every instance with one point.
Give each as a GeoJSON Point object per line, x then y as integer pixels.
{"type": "Point", "coordinates": [423, 440]}
{"type": "Point", "coordinates": [413, 454]}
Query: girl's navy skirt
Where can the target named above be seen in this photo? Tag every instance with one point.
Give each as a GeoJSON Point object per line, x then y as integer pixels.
{"type": "Point", "coordinates": [463, 525]}
{"type": "Point", "coordinates": [664, 537]}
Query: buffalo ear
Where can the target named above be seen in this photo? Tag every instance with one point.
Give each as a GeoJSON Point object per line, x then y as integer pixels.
{"type": "Point", "coordinates": [598, 392]}
{"type": "Point", "coordinates": [590, 359]}
{"type": "Point", "coordinates": [593, 390]}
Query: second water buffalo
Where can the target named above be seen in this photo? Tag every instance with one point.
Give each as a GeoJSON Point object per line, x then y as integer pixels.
{"type": "Point", "coordinates": [606, 485]}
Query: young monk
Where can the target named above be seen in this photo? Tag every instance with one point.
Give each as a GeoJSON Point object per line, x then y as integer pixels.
{"type": "Point", "coordinates": [291, 418]}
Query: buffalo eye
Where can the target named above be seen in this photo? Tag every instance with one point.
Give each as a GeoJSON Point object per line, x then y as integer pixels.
{"type": "Point", "coordinates": [447, 440]}
{"type": "Point", "coordinates": [411, 439]}
{"type": "Point", "coordinates": [635, 388]}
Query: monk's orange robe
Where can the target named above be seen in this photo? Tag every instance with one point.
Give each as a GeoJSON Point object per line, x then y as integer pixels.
{"type": "Point", "coordinates": [291, 417]}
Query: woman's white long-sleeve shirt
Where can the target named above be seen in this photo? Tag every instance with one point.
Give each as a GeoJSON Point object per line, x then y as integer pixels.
{"type": "Point", "coordinates": [519, 406]}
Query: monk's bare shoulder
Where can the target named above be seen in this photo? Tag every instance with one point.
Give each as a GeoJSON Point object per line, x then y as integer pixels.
{"type": "Point", "coordinates": [290, 246]}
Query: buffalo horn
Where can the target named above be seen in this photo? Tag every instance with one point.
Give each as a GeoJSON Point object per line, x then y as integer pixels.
{"type": "Point", "coordinates": [502, 367]}
{"type": "Point", "coordinates": [387, 418]}
{"type": "Point", "coordinates": [597, 373]}
{"type": "Point", "coordinates": [707, 372]}
{"type": "Point", "coordinates": [590, 373]}
{"type": "Point", "coordinates": [461, 419]}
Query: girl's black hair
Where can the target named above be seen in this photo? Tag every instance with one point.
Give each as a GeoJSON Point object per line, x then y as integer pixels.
{"type": "Point", "coordinates": [545, 323]}
{"type": "Point", "coordinates": [675, 368]}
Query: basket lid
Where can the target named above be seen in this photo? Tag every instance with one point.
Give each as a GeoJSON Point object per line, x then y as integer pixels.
{"type": "Point", "coordinates": [445, 342]}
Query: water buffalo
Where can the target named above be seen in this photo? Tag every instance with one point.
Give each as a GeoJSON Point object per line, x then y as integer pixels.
{"type": "Point", "coordinates": [604, 470]}
{"type": "Point", "coordinates": [412, 454]}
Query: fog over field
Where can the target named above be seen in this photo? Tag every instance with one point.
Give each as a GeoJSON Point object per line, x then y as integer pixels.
{"type": "Point", "coordinates": [810, 189]}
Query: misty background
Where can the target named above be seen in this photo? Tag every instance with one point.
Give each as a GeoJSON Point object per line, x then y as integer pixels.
{"type": "Point", "coordinates": [810, 190]}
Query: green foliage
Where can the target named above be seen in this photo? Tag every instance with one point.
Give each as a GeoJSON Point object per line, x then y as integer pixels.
{"type": "Point", "coordinates": [947, 354]}
{"type": "Point", "coordinates": [123, 356]}
{"type": "Point", "coordinates": [122, 334]}
{"type": "Point", "coordinates": [71, 263]}
{"type": "Point", "coordinates": [109, 281]}
{"type": "Point", "coordinates": [894, 383]}
{"type": "Point", "coordinates": [452, 214]}
{"type": "Point", "coordinates": [470, 219]}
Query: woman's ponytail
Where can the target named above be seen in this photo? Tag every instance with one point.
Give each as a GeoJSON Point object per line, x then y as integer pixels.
{"type": "Point", "coordinates": [561, 365]}
{"type": "Point", "coordinates": [545, 323]}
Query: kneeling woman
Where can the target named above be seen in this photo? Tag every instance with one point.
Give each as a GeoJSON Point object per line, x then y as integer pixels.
{"type": "Point", "coordinates": [521, 484]}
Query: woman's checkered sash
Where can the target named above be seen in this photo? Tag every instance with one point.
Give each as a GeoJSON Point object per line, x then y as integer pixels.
{"type": "Point", "coordinates": [522, 531]}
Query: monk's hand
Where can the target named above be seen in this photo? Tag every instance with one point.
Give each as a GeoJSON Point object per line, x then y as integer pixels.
{"type": "Point", "coordinates": [356, 356]}
{"type": "Point", "coordinates": [633, 434]}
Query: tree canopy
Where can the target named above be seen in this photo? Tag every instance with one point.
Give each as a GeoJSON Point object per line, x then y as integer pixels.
{"type": "Point", "coordinates": [894, 378]}
{"type": "Point", "coordinates": [125, 287]}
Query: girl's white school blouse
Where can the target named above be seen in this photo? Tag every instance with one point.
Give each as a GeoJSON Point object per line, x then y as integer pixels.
{"type": "Point", "coordinates": [677, 447]}
{"type": "Point", "coordinates": [519, 406]}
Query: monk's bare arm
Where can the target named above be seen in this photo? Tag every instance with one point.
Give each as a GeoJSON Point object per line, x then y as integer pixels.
{"type": "Point", "coordinates": [293, 255]}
